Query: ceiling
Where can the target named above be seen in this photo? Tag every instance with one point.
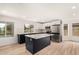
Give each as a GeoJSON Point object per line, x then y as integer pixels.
{"type": "Point", "coordinates": [40, 12]}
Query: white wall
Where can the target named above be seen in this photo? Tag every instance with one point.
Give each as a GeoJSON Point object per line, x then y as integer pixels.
{"type": "Point", "coordinates": [68, 21]}
{"type": "Point", "coordinates": [18, 28]}
{"type": "Point", "coordinates": [37, 12]}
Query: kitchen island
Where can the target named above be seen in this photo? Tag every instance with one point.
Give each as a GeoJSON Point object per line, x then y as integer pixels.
{"type": "Point", "coordinates": [36, 42]}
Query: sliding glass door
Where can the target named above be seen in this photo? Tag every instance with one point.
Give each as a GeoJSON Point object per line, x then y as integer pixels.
{"type": "Point", "coordinates": [6, 29]}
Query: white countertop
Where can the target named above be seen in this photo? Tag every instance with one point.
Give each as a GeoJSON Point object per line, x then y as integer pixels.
{"type": "Point", "coordinates": [37, 36]}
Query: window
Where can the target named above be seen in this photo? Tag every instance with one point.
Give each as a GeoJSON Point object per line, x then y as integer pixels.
{"type": "Point", "coordinates": [75, 29]}
{"type": "Point", "coordinates": [48, 29]}
{"type": "Point", "coordinates": [2, 29]}
{"type": "Point", "coordinates": [65, 29]}
{"type": "Point", "coordinates": [9, 29]}
{"type": "Point", "coordinates": [6, 29]}
{"type": "Point", "coordinates": [28, 28]}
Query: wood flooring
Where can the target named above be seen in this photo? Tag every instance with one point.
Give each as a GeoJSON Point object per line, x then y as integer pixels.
{"type": "Point", "coordinates": [63, 48]}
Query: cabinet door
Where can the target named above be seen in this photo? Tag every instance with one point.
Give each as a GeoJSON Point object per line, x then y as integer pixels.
{"type": "Point", "coordinates": [41, 43]}
{"type": "Point", "coordinates": [29, 44]}
{"type": "Point", "coordinates": [21, 39]}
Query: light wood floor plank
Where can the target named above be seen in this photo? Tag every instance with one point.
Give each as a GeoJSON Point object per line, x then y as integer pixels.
{"type": "Point", "coordinates": [63, 48]}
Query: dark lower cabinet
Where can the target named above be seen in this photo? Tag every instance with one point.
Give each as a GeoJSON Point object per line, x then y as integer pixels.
{"type": "Point", "coordinates": [35, 45]}
{"type": "Point", "coordinates": [21, 38]}
{"type": "Point", "coordinates": [56, 38]}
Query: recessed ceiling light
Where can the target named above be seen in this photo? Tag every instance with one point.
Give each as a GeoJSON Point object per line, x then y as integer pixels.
{"type": "Point", "coordinates": [73, 7]}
